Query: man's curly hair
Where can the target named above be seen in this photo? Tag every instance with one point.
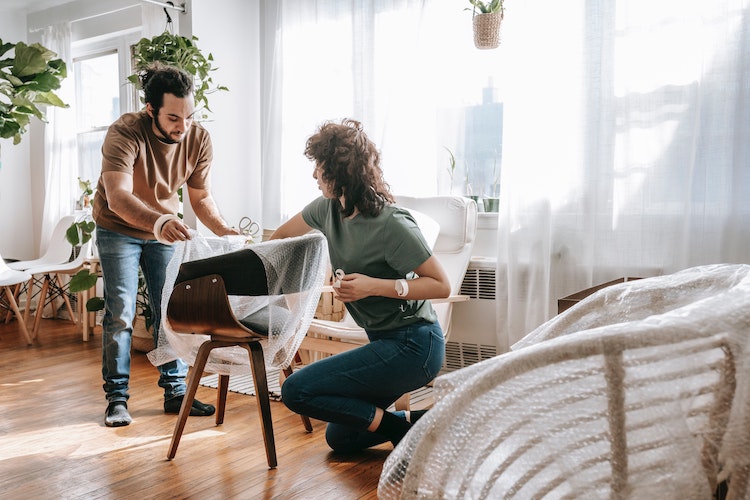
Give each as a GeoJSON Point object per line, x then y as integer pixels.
{"type": "Point", "coordinates": [159, 79]}
{"type": "Point", "coordinates": [350, 165]}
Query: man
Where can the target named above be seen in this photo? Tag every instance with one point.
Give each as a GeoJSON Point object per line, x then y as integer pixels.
{"type": "Point", "coordinates": [146, 157]}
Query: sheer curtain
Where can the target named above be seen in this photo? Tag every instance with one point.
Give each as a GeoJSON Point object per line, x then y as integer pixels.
{"type": "Point", "coordinates": [626, 146]}
{"type": "Point", "coordinates": [60, 167]}
{"type": "Point", "coordinates": [407, 69]}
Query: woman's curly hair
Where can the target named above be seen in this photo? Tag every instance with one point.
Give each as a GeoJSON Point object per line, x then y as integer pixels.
{"type": "Point", "coordinates": [350, 165]}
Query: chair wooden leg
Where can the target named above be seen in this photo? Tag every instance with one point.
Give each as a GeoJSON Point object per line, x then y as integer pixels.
{"type": "Point", "coordinates": [40, 307]}
{"type": "Point", "coordinates": [65, 298]}
{"type": "Point", "coordinates": [258, 366]}
{"type": "Point", "coordinates": [29, 296]}
{"type": "Point", "coordinates": [305, 419]}
{"type": "Point", "coordinates": [17, 312]}
{"type": "Point", "coordinates": [221, 398]}
{"type": "Point", "coordinates": [187, 402]}
{"type": "Point", "coordinates": [404, 402]}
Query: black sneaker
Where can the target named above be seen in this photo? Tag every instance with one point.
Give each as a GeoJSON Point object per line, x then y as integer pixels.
{"type": "Point", "coordinates": [198, 409]}
{"type": "Point", "coordinates": [117, 414]}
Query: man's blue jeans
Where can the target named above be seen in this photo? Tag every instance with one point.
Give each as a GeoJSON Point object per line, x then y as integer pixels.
{"type": "Point", "coordinates": [345, 389]}
{"type": "Point", "coordinates": [120, 257]}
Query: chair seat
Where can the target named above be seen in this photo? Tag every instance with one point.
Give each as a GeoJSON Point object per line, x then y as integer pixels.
{"type": "Point", "coordinates": [9, 277]}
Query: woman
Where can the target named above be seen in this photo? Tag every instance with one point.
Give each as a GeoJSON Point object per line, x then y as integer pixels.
{"type": "Point", "coordinates": [388, 273]}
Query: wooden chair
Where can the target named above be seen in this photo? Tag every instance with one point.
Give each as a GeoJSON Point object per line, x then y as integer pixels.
{"type": "Point", "coordinates": [200, 304]}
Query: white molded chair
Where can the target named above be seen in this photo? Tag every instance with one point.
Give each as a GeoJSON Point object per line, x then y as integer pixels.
{"type": "Point", "coordinates": [53, 286]}
{"type": "Point", "coordinates": [58, 252]}
{"type": "Point", "coordinates": [11, 281]}
{"type": "Point", "coordinates": [457, 219]}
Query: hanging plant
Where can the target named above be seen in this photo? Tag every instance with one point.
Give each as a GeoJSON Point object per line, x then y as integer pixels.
{"type": "Point", "coordinates": [27, 80]}
{"type": "Point", "coordinates": [486, 19]}
{"type": "Point", "coordinates": [179, 51]}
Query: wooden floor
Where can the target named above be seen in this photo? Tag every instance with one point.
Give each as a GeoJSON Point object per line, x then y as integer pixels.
{"type": "Point", "coordinates": [53, 442]}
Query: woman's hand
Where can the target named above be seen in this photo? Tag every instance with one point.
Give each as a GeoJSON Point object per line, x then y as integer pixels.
{"type": "Point", "coordinates": [353, 287]}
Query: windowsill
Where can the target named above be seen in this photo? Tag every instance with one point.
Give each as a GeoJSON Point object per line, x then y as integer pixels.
{"type": "Point", "coordinates": [487, 220]}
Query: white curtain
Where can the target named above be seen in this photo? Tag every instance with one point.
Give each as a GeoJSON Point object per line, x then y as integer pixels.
{"type": "Point", "coordinates": [60, 156]}
{"type": "Point", "coordinates": [626, 148]}
{"type": "Point", "coordinates": [622, 135]}
{"type": "Point", "coordinates": [407, 69]}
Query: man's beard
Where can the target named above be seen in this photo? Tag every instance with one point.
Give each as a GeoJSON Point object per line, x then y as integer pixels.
{"type": "Point", "coordinates": [166, 137]}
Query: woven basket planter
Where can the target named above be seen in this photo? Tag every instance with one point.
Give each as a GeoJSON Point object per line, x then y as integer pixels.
{"type": "Point", "coordinates": [487, 30]}
{"type": "Point", "coordinates": [142, 339]}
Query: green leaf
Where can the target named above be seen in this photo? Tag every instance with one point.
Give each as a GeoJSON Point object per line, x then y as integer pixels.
{"type": "Point", "coordinates": [50, 98]}
{"type": "Point", "coordinates": [95, 304]}
{"type": "Point", "coordinates": [82, 281]}
{"type": "Point", "coordinates": [29, 60]}
{"type": "Point", "coordinates": [71, 234]}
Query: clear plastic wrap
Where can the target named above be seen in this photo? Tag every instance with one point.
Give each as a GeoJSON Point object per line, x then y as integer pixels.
{"type": "Point", "coordinates": [654, 401]}
{"type": "Point", "coordinates": [297, 265]}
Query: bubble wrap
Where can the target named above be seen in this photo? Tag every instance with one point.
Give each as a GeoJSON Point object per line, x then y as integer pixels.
{"type": "Point", "coordinates": [291, 264]}
{"type": "Point", "coordinates": [651, 401]}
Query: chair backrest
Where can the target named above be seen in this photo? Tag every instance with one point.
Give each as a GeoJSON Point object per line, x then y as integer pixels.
{"type": "Point", "coordinates": [270, 288]}
{"type": "Point", "coordinates": [457, 217]}
{"type": "Point", "coordinates": [58, 250]}
{"type": "Point", "coordinates": [621, 411]}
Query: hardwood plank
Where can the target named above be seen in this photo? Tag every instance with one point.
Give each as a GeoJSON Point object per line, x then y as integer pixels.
{"type": "Point", "coordinates": [53, 442]}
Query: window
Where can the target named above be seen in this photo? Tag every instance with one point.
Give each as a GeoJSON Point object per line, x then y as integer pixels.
{"type": "Point", "coordinates": [100, 71]}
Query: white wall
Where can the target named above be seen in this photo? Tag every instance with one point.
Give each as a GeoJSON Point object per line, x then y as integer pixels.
{"type": "Point", "coordinates": [16, 228]}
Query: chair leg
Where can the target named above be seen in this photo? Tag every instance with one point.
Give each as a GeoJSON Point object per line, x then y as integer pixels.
{"type": "Point", "coordinates": [221, 398]}
{"type": "Point", "coordinates": [17, 312]}
{"type": "Point", "coordinates": [29, 297]}
{"type": "Point", "coordinates": [40, 306]}
{"type": "Point", "coordinates": [258, 367]}
{"type": "Point", "coordinates": [305, 419]}
{"type": "Point", "coordinates": [59, 286]}
{"type": "Point", "coordinates": [187, 401]}
{"type": "Point", "coordinates": [404, 402]}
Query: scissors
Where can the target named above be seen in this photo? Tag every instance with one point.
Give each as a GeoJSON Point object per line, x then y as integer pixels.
{"type": "Point", "coordinates": [248, 227]}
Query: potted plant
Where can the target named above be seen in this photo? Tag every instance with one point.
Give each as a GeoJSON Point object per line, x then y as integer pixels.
{"type": "Point", "coordinates": [486, 18]}
{"type": "Point", "coordinates": [179, 51]}
{"type": "Point", "coordinates": [27, 81]}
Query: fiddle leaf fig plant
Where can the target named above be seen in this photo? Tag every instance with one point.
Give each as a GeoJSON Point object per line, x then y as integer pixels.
{"type": "Point", "coordinates": [27, 80]}
{"type": "Point", "coordinates": [179, 51]}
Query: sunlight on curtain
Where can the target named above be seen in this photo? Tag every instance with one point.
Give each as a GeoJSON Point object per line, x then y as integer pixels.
{"type": "Point", "coordinates": [60, 167]}
{"type": "Point", "coordinates": [407, 69]}
{"type": "Point", "coordinates": [625, 146]}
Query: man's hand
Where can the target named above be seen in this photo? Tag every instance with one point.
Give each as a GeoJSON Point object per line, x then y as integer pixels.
{"type": "Point", "coordinates": [175, 230]}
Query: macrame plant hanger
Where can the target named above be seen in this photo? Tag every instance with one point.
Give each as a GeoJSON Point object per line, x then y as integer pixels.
{"type": "Point", "coordinates": [169, 26]}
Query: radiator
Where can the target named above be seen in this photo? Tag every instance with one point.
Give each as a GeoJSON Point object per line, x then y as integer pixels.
{"type": "Point", "coordinates": [472, 337]}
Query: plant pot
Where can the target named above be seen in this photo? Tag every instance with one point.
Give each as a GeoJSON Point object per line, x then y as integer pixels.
{"type": "Point", "coordinates": [476, 200]}
{"type": "Point", "coordinates": [487, 30]}
{"type": "Point", "coordinates": [142, 339]}
{"type": "Point", "coordinates": [491, 204]}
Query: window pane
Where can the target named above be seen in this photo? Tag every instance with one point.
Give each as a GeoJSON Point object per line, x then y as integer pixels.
{"type": "Point", "coordinates": [97, 91]}
{"type": "Point", "coordinates": [90, 154]}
